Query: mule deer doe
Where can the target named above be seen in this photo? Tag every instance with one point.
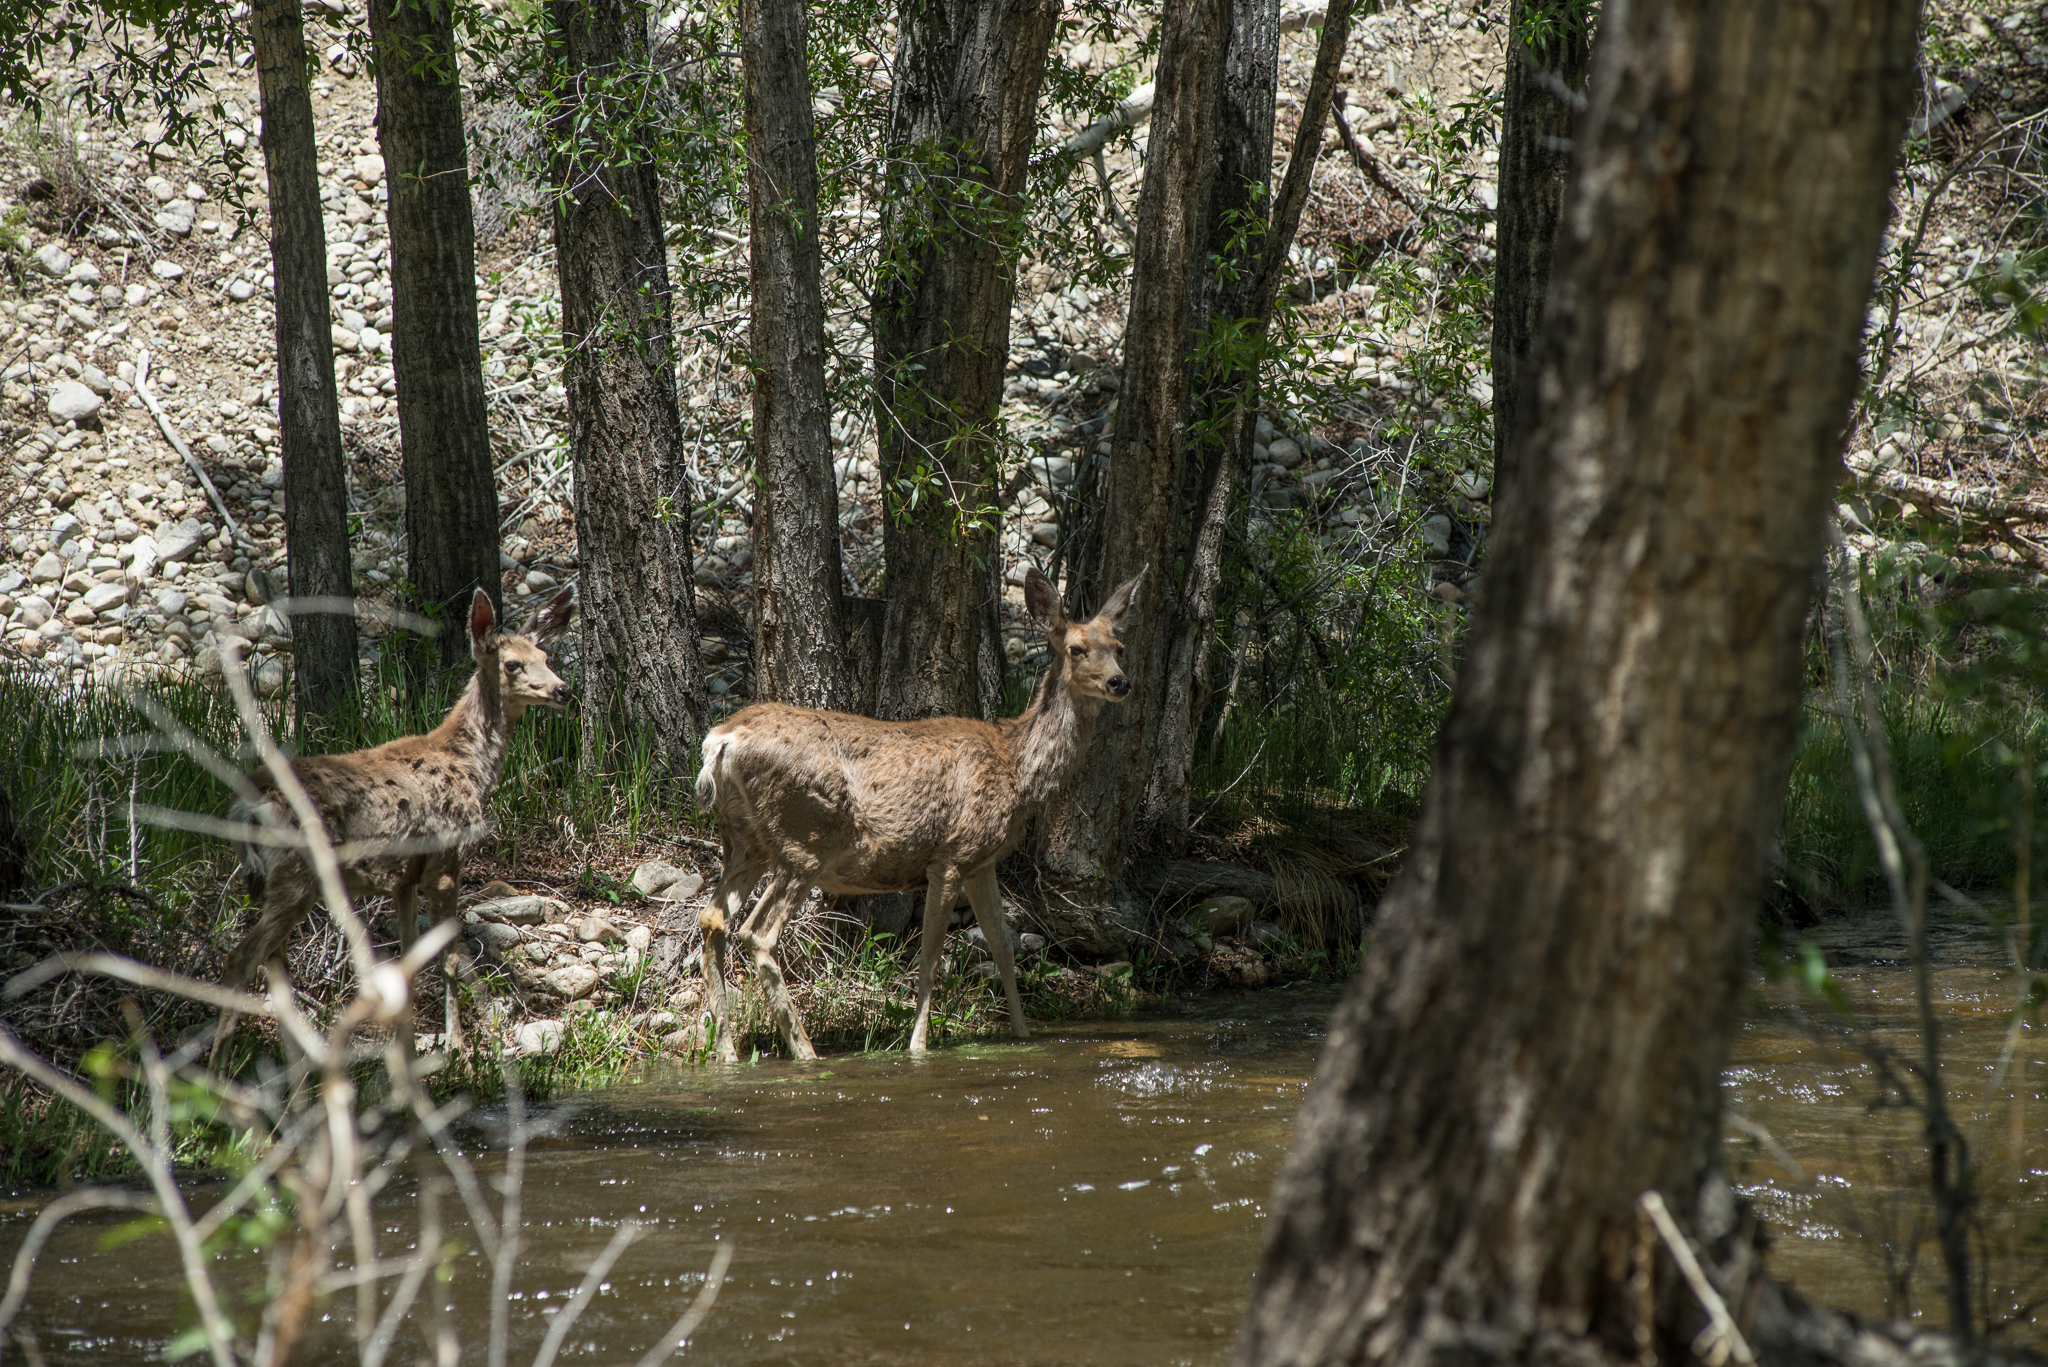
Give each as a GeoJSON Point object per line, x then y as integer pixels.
{"type": "Point", "coordinates": [418, 792]}
{"type": "Point", "coordinates": [853, 805]}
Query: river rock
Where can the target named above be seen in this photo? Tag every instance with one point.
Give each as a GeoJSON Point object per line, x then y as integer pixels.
{"type": "Point", "coordinates": [1436, 535]}
{"type": "Point", "coordinates": [575, 982]}
{"type": "Point", "coordinates": [1284, 452]}
{"type": "Point", "coordinates": [64, 530]}
{"type": "Point", "coordinates": [1266, 937]}
{"type": "Point", "coordinates": [639, 938]}
{"type": "Point", "coordinates": [165, 270]}
{"type": "Point", "coordinates": [538, 1038]}
{"type": "Point", "coordinates": [268, 677]}
{"type": "Point", "coordinates": [595, 930]}
{"type": "Point", "coordinates": [179, 542]}
{"type": "Point", "coordinates": [100, 597]}
{"type": "Point", "coordinates": [48, 569]}
{"type": "Point", "coordinates": [519, 909]}
{"type": "Point", "coordinates": [52, 260]}
{"type": "Point", "coordinates": [655, 878]}
{"type": "Point", "coordinates": [492, 939]}
{"type": "Point", "coordinates": [369, 168]}
{"type": "Point", "coordinates": [71, 401]}
{"type": "Point", "coordinates": [1222, 916]}
{"type": "Point", "coordinates": [35, 610]}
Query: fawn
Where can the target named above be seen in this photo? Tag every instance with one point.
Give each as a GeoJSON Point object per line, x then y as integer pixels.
{"type": "Point", "coordinates": [853, 805]}
{"type": "Point", "coordinates": [415, 791]}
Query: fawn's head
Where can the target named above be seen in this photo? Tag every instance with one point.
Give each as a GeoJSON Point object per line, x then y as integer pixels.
{"type": "Point", "coordinates": [1089, 651]}
{"type": "Point", "coordinates": [521, 662]}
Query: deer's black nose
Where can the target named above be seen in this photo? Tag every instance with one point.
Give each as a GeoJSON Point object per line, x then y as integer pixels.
{"type": "Point", "coordinates": [1119, 686]}
{"type": "Point", "coordinates": [564, 695]}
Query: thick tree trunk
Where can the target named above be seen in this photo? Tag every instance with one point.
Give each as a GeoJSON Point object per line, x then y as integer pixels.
{"type": "Point", "coordinates": [1549, 50]}
{"type": "Point", "coordinates": [1182, 440]}
{"type": "Point", "coordinates": [800, 637]}
{"type": "Point", "coordinates": [964, 112]}
{"type": "Point", "coordinates": [1088, 825]}
{"type": "Point", "coordinates": [1538, 1031]}
{"type": "Point", "coordinates": [315, 479]}
{"type": "Point", "coordinates": [643, 672]}
{"type": "Point", "coordinates": [451, 502]}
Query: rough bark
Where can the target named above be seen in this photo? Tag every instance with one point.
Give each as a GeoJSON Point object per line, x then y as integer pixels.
{"type": "Point", "coordinates": [1183, 439]}
{"type": "Point", "coordinates": [451, 501]}
{"type": "Point", "coordinates": [1089, 825]}
{"type": "Point", "coordinates": [315, 478]}
{"type": "Point", "coordinates": [1549, 51]}
{"type": "Point", "coordinates": [961, 123]}
{"type": "Point", "coordinates": [643, 672]}
{"type": "Point", "coordinates": [1538, 1030]}
{"type": "Point", "coordinates": [800, 653]}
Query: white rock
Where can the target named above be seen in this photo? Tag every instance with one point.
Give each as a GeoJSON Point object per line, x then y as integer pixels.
{"type": "Point", "coordinates": [573, 983]}
{"type": "Point", "coordinates": [164, 270]}
{"type": "Point", "coordinates": [181, 541]}
{"type": "Point", "coordinates": [370, 168]}
{"type": "Point", "coordinates": [84, 272]}
{"type": "Point", "coordinates": [137, 292]}
{"type": "Point", "coordinates": [538, 1037]}
{"type": "Point", "coordinates": [65, 529]}
{"type": "Point", "coordinates": [52, 260]}
{"type": "Point", "coordinates": [78, 612]}
{"type": "Point", "coordinates": [241, 291]}
{"type": "Point", "coordinates": [71, 401]}
{"type": "Point", "coordinates": [268, 677]}
{"type": "Point", "coordinates": [1436, 534]}
{"type": "Point", "coordinates": [100, 597]}
{"type": "Point", "coordinates": [1283, 452]}
{"type": "Point", "coordinates": [344, 340]}
{"type": "Point", "coordinates": [162, 190]}
{"type": "Point", "coordinates": [177, 217]}
{"type": "Point", "coordinates": [47, 570]}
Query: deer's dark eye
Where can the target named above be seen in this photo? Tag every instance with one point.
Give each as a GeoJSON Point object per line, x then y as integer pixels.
{"type": "Point", "coordinates": [1076, 651]}
{"type": "Point", "coordinates": [513, 667]}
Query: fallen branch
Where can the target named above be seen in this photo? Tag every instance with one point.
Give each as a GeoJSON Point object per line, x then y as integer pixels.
{"type": "Point", "coordinates": [1367, 162]}
{"type": "Point", "coordinates": [1988, 502]}
{"type": "Point", "coordinates": [1721, 1339]}
{"type": "Point", "coordinates": [163, 422]}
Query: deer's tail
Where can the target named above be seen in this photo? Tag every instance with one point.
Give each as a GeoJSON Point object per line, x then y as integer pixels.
{"type": "Point", "coordinates": [717, 746]}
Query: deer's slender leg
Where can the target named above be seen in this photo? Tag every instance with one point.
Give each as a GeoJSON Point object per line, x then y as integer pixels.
{"type": "Point", "coordinates": [443, 892]}
{"type": "Point", "coordinates": [938, 910]}
{"type": "Point", "coordinates": [407, 897]}
{"type": "Point", "coordinates": [760, 936]}
{"type": "Point", "coordinates": [987, 900]}
{"type": "Point", "coordinates": [721, 912]}
{"type": "Point", "coordinates": [288, 895]}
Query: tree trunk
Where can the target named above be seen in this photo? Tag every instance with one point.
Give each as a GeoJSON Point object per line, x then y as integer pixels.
{"type": "Point", "coordinates": [1088, 825]}
{"type": "Point", "coordinates": [315, 479]}
{"type": "Point", "coordinates": [1182, 439]}
{"type": "Point", "coordinates": [451, 501]}
{"type": "Point", "coordinates": [964, 113]}
{"type": "Point", "coordinates": [643, 672]}
{"type": "Point", "coordinates": [800, 637]}
{"type": "Point", "coordinates": [1539, 1028]}
{"type": "Point", "coordinates": [1548, 54]}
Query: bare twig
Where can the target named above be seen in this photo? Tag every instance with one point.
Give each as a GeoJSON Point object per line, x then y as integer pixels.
{"type": "Point", "coordinates": [1724, 1339]}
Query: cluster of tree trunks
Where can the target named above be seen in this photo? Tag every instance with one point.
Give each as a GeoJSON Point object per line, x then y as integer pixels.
{"type": "Point", "coordinates": [1538, 1030]}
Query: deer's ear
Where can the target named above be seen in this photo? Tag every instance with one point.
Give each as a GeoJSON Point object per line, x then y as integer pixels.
{"type": "Point", "coordinates": [483, 618]}
{"type": "Point", "coordinates": [1119, 601]}
{"type": "Point", "coordinates": [553, 618]}
{"type": "Point", "coordinates": [1040, 599]}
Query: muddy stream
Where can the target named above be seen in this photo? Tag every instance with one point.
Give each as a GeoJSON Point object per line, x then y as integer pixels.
{"type": "Point", "coordinates": [1095, 1196]}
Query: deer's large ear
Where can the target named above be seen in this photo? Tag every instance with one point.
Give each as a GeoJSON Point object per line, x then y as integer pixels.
{"type": "Point", "coordinates": [483, 619]}
{"type": "Point", "coordinates": [553, 619]}
{"type": "Point", "coordinates": [1041, 600]}
{"type": "Point", "coordinates": [1119, 601]}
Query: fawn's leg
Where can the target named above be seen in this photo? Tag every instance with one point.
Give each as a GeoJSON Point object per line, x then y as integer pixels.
{"type": "Point", "coordinates": [988, 912]}
{"type": "Point", "coordinates": [938, 909]}
{"type": "Point", "coordinates": [443, 890]}
{"type": "Point", "coordinates": [407, 896]}
{"type": "Point", "coordinates": [722, 910]}
{"type": "Point", "coordinates": [760, 935]}
{"type": "Point", "coordinates": [288, 895]}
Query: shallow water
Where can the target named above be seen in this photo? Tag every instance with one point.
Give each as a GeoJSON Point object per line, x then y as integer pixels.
{"type": "Point", "coordinates": [1098, 1195]}
{"type": "Point", "coordinates": [1094, 1196]}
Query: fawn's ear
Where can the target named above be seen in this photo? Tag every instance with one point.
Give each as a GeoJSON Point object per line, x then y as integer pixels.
{"type": "Point", "coordinates": [483, 619]}
{"type": "Point", "coordinates": [1119, 601]}
{"type": "Point", "coordinates": [1041, 601]}
{"type": "Point", "coordinates": [553, 618]}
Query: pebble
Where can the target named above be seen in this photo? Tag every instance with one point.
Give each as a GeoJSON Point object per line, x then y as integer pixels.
{"type": "Point", "coordinates": [1436, 534]}
{"type": "Point", "coordinates": [519, 910]}
{"type": "Point", "coordinates": [538, 1038]}
{"type": "Point", "coordinates": [573, 983]}
{"type": "Point", "coordinates": [241, 291]}
{"type": "Point", "coordinates": [163, 270]}
{"type": "Point", "coordinates": [179, 543]}
{"type": "Point", "coordinates": [71, 401]}
{"type": "Point", "coordinates": [52, 260]}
